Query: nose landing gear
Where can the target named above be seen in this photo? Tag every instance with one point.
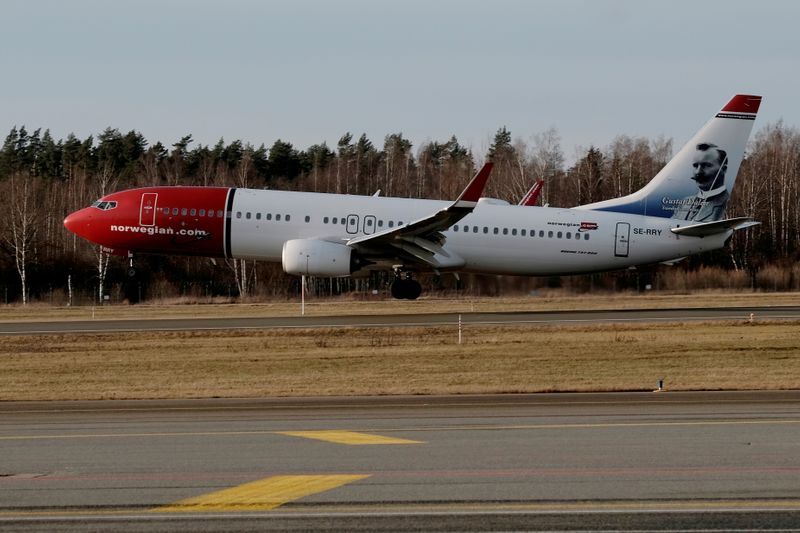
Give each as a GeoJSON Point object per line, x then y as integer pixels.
{"type": "Point", "coordinates": [131, 266]}
{"type": "Point", "coordinates": [404, 287]}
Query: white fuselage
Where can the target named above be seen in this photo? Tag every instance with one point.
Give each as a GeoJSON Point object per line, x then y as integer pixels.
{"type": "Point", "coordinates": [495, 239]}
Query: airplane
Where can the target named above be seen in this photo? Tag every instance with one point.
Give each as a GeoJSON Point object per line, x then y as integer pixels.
{"type": "Point", "coordinates": [680, 212]}
{"type": "Point", "coordinates": [532, 196]}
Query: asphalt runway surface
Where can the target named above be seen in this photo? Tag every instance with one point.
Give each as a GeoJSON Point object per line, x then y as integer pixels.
{"type": "Point", "coordinates": [624, 461]}
{"type": "Point", "coordinates": [404, 320]}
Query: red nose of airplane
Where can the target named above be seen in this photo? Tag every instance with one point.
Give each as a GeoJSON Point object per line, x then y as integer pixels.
{"type": "Point", "coordinates": [79, 222]}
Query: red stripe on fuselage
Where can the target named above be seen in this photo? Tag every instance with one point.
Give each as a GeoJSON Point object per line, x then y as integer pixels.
{"type": "Point", "coordinates": [184, 220]}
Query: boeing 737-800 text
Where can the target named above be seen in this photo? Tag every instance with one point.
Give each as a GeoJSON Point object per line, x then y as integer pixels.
{"type": "Point", "coordinates": [680, 212]}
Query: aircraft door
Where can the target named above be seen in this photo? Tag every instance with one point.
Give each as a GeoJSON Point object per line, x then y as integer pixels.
{"type": "Point", "coordinates": [622, 239]}
{"type": "Point", "coordinates": [352, 223]}
{"type": "Point", "coordinates": [147, 209]}
{"type": "Point", "coordinates": [369, 224]}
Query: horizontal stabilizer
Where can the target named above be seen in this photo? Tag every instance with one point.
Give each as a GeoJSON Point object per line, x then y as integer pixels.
{"type": "Point", "coordinates": [713, 228]}
{"type": "Point", "coordinates": [673, 262]}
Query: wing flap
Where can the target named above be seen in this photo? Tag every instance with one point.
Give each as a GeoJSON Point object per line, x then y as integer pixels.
{"type": "Point", "coordinates": [434, 256]}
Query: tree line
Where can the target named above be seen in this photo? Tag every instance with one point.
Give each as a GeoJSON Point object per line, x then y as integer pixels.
{"type": "Point", "coordinates": [43, 179]}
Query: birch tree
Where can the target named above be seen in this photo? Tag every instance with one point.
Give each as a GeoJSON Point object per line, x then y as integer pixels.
{"type": "Point", "coordinates": [23, 224]}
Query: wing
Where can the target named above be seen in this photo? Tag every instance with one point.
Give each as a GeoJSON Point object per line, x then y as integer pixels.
{"type": "Point", "coordinates": [422, 241]}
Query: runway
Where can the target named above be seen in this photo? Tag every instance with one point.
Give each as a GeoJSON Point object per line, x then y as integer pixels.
{"type": "Point", "coordinates": [637, 461]}
{"type": "Point", "coordinates": [404, 320]}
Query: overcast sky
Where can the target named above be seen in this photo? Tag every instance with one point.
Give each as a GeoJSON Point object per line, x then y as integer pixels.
{"type": "Point", "coordinates": [308, 71]}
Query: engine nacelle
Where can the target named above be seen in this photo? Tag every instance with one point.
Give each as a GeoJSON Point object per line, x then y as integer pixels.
{"type": "Point", "coordinates": [313, 257]}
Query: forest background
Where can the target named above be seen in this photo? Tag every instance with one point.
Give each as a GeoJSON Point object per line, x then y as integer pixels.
{"type": "Point", "coordinates": [43, 179]}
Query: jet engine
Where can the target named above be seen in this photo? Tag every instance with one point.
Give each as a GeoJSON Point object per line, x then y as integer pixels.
{"type": "Point", "coordinates": [313, 257]}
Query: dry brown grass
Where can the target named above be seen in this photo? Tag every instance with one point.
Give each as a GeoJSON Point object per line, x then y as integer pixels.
{"type": "Point", "coordinates": [355, 361]}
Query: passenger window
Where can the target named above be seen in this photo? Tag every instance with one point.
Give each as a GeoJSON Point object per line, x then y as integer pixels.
{"type": "Point", "coordinates": [522, 232]}
{"type": "Point", "coordinates": [174, 211]}
{"type": "Point", "coordinates": [183, 212]}
{"type": "Point", "coordinates": [238, 214]}
{"type": "Point", "coordinates": [258, 216]}
{"type": "Point", "coordinates": [247, 215]}
{"type": "Point", "coordinates": [569, 235]}
{"type": "Point", "coordinates": [391, 223]}
{"type": "Point", "coordinates": [559, 234]}
{"type": "Point", "coordinates": [505, 231]}
{"type": "Point", "coordinates": [455, 228]}
{"type": "Point", "coordinates": [219, 213]}
{"type": "Point", "coordinates": [202, 212]}
{"type": "Point", "coordinates": [577, 236]}
{"type": "Point", "coordinates": [380, 223]}
{"type": "Point", "coordinates": [585, 236]}
{"type": "Point", "coordinates": [277, 217]}
{"type": "Point", "coordinates": [485, 229]}
{"type": "Point", "coordinates": [287, 218]}
{"type": "Point", "coordinates": [541, 233]}
{"type": "Point", "coordinates": [165, 210]}
{"type": "Point", "coordinates": [514, 231]}
{"type": "Point", "coordinates": [474, 229]}
{"type": "Point", "coordinates": [335, 220]}
{"type": "Point", "coordinates": [193, 212]}
{"type": "Point", "coordinates": [325, 220]}
{"type": "Point", "coordinates": [308, 218]}
{"type": "Point", "coordinates": [496, 231]}
{"type": "Point", "coordinates": [269, 216]}
{"type": "Point", "coordinates": [549, 234]}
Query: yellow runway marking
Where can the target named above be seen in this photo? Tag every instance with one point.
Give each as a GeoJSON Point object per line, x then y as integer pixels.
{"type": "Point", "coordinates": [263, 495]}
{"type": "Point", "coordinates": [348, 437]}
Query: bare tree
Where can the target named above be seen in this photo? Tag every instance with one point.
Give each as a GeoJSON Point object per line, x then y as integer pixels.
{"type": "Point", "coordinates": [548, 161]}
{"type": "Point", "coordinates": [103, 260]}
{"type": "Point", "coordinates": [23, 224]}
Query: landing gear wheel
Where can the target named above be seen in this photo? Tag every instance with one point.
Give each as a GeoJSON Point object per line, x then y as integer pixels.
{"type": "Point", "coordinates": [406, 289]}
{"type": "Point", "coordinates": [398, 289]}
{"type": "Point", "coordinates": [131, 272]}
{"type": "Point", "coordinates": [413, 290]}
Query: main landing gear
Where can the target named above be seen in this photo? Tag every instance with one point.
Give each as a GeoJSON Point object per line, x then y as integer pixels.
{"type": "Point", "coordinates": [405, 288]}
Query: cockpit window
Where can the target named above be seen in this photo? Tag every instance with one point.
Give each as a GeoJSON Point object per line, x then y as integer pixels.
{"type": "Point", "coordinates": [104, 205]}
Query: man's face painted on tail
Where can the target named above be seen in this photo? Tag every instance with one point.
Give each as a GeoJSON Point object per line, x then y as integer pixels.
{"type": "Point", "coordinates": [708, 172]}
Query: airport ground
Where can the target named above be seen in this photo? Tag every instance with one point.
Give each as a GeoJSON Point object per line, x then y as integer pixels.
{"type": "Point", "coordinates": [356, 348]}
{"type": "Point", "coordinates": [721, 461]}
{"type": "Point", "coordinates": [356, 419]}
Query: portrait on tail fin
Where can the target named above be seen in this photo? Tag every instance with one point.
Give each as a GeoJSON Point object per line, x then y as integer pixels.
{"type": "Point", "coordinates": [710, 162]}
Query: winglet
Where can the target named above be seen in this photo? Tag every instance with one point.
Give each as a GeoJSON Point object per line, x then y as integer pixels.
{"type": "Point", "coordinates": [469, 197]}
